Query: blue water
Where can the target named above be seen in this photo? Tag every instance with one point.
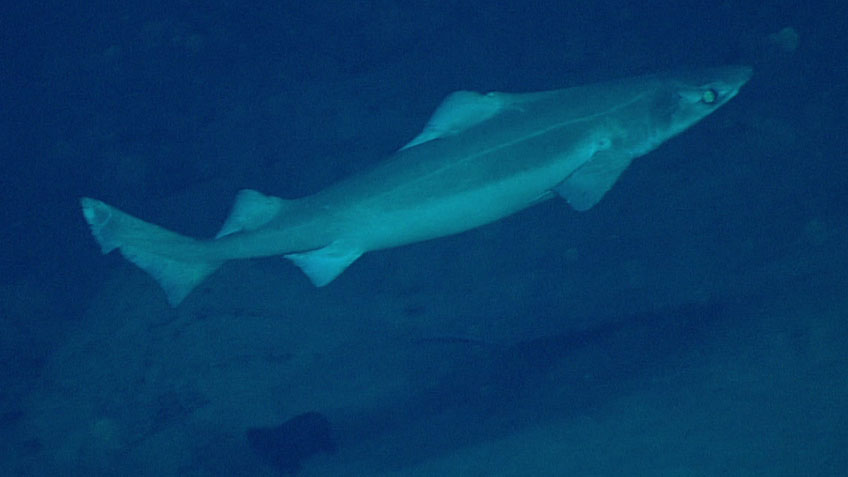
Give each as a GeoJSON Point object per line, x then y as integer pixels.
{"type": "Point", "coordinates": [693, 323]}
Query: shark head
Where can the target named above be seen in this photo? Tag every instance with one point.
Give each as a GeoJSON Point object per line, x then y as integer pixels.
{"type": "Point", "coordinates": [688, 97]}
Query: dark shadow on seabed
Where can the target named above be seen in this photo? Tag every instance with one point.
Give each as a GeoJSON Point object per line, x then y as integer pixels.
{"type": "Point", "coordinates": [497, 390]}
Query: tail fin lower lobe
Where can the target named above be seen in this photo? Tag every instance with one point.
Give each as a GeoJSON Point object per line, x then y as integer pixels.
{"type": "Point", "coordinates": [147, 245]}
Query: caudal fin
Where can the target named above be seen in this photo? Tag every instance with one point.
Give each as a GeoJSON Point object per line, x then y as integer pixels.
{"type": "Point", "coordinates": [149, 246]}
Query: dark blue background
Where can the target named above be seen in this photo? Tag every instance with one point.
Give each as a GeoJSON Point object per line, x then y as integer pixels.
{"type": "Point", "coordinates": [167, 109]}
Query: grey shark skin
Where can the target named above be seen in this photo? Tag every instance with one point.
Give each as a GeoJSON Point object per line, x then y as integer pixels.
{"type": "Point", "coordinates": [480, 158]}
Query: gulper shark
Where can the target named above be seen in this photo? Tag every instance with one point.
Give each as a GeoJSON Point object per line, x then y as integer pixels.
{"type": "Point", "coordinates": [480, 158]}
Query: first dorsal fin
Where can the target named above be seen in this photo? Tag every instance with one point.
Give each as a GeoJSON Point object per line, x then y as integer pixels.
{"type": "Point", "coordinates": [459, 111]}
{"type": "Point", "coordinates": [251, 210]}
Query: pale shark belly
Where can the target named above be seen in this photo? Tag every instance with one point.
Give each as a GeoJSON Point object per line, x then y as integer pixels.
{"type": "Point", "coordinates": [457, 184]}
{"type": "Point", "coordinates": [374, 226]}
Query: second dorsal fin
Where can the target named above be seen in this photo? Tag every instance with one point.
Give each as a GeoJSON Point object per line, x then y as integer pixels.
{"type": "Point", "coordinates": [251, 210]}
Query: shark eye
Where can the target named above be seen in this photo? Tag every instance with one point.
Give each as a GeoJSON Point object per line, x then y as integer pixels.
{"type": "Point", "coordinates": [709, 96]}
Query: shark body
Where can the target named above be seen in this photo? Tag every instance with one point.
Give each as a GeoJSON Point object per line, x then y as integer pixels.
{"type": "Point", "coordinates": [480, 158]}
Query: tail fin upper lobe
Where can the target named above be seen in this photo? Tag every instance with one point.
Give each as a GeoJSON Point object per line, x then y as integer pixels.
{"type": "Point", "coordinates": [148, 246]}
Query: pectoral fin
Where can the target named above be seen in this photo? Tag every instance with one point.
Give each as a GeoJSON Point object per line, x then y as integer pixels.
{"type": "Point", "coordinates": [323, 265]}
{"type": "Point", "coordinates": [589, 183]}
